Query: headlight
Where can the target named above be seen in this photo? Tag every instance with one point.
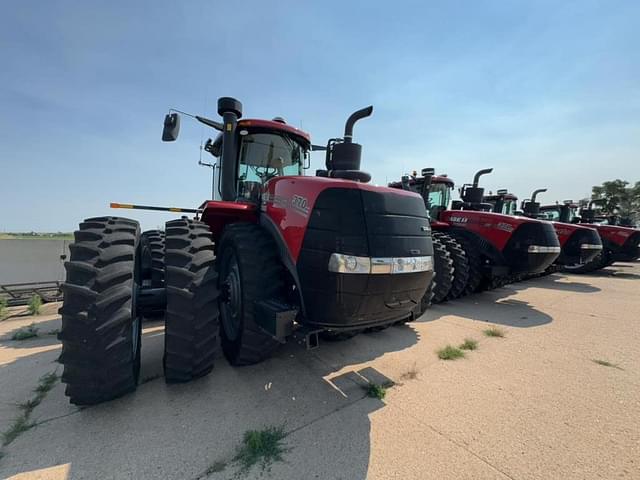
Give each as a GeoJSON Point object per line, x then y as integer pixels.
{"type": "Point", "coordinates": [543, 249]}
{"type": "Point", "coordinates": [349, 264]}
{"type": "Point", "coordinates": [341, 263]}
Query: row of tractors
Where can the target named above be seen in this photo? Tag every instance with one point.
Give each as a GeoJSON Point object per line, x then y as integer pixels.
{"type": "Point", "coordinates": [483, 241]}
{"type": "Point", "coordinates": [276, 255]}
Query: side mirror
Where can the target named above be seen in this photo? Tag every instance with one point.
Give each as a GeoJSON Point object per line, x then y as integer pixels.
{"type": "Point", "coordinates": [171, 127]}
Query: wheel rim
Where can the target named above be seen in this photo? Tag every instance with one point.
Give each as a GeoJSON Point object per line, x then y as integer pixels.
{"type": "Point", "coordinates": [231, 310]}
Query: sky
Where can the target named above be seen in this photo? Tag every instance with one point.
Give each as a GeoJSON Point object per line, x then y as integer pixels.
{"type": "Point", "coordinates": [545, 92]}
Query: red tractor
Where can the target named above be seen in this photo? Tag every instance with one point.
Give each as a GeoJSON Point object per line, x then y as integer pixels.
{"type": "Point", "coordinates": [494, 246]}
{"type": "Point", "coordinates": [580, 244]}
{"type": "Point", "coordinates": [279, 254]}
{"type": "Point", "coordinates": [620, 244]}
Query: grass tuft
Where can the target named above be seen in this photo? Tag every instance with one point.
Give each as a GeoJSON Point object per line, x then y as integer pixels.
{"type": "Point", "coordinates": [55, 331]}
{"type": "Point", "coordinates": [493, 332]}
{"type": "Point", "coordinates": [30, 331]}
{"type": "Point", "coordinates": [261, 447]}
{"type": "Point", "coordinates": [3, 308]}
{"type": "Point", "coordinates": [29, 405]}
{"type": "Point", "coordinates": [21, 424]}
{"type": "Point", "coordinates": [34, 305]}
{"type": "Point", "coordinates": [604, 363]}
{"type": "Point", "coordinates": [18, 427]}
{"type": "Point", "coordinates": [469, 344]}
{"type": "Point", "coordinates": [450, 353]}
{"type": "Point", "coordinates": [376, 391]}
{"type": "Point", "coordinates": [46, 383]}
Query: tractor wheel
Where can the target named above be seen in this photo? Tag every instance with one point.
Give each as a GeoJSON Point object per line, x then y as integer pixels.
{"type": "Point", "coordinates": [475, 276]}
{"type": "Point", "coordinates": [152, 242]}
{"type": "Point", "coordinates": [101, 329]}
{"type": "Point", "coordinates": [443, 270]}
{"type": "Point", "coordinates": [460, 264]}
{"type": "Point", "coordinates": [191, 320]}
{"type": "Point", "coordinates": [152, 263]}
{"type": "Point", "coordinates": [581, 267]}
{"type": "Point", "coordinates": [250, 271]}
{"type": "Point", "coordinates": [602, 260]}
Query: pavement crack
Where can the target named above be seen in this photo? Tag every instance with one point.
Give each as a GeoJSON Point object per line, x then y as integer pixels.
{"type": "Point", "coordinates": [51, 419]}
{"type": "Point", "coordinates": [455, 442]}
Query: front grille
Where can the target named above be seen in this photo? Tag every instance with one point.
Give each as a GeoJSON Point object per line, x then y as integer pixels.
{"type": "Point", "coordinates": [364, 224]}
{"type": "Point", "coordinates": [572, 252]}
{"type": "Point", "coordinates": [529, 234]}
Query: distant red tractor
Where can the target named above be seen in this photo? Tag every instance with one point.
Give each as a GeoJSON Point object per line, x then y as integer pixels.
{"type": "Point", "coordinates": [580, 244]}
{"type": "Point", "coordinates": [482, 249]}
{"type": "Point", "coordinates": [278, 254]}
{"type": "Point", "coordinates": [620, 244]}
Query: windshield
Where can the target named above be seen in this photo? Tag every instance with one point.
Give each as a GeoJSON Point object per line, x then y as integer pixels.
{"type": "Point", "coordinates": [509, 207]}
{"type": "Point", "coordinates": [267, 155]}
{"type": "Point", "coordinates": [439, 196]}
{"type": "Point", "coordinates": [553, 215]}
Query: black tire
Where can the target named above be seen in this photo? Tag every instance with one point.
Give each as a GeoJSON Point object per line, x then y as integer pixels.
{"type": "Point", "coordinates": [602, 260]}
{"type": "Point", "coordinates": [191, 320]}
{"type": "Point", "coordinates": [460, 265]}
{"type": "Point", "coordinates": [474, 260]}
{"type": "Point", "coordinates": [425, 301]}
{"type": "Point", "coordinates": [250, 271]}
{"type": "Point", "coordinates": [101, 331]}
{"type": "Point", "coordinates": [153, 258]}
{"type": "Point", "coordinates": [443, 271]}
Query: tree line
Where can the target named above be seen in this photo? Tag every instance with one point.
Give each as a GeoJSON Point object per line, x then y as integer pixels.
{"type": "Point", "coordinates": [618, 200]}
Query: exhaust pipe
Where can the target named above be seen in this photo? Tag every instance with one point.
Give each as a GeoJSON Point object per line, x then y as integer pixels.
{"type": "Point", "coordinates": [346, 155]}
{"type": "Point", "coordinates": [535, 194]}
{"type": "Point", "coordinates": [353, 118]}
{"type": "Point", "coordinates": [477, 176]}
{"type": "Point", "coordinates": [231, 110]}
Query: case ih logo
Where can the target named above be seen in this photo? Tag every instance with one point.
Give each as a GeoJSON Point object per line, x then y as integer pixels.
{"type": "Point", "coordinates": [277, 200]}
{"type": "Point", "coordinates": [563, 232]}
{"type": "Point", "coordinates": [459, 219]}
{"type": "Point", "coordinates": [300, 204]}
{"type": "Point", "coordinates": [505, 227]}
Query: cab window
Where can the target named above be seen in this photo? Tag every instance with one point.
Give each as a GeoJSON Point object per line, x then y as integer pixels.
{"type": "Point", "coordinates": [267, 155]}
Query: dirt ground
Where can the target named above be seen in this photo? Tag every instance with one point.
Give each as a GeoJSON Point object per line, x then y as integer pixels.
{"type": "Point", "coordinates": [532, 405]}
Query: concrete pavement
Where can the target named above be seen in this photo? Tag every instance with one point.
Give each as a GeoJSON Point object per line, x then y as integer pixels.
{"type": "Point", "coordinates": [531, 405]}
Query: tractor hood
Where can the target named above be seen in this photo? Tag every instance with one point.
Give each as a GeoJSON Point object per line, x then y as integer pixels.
{"type": "Point", "coordinates": [496, 228]}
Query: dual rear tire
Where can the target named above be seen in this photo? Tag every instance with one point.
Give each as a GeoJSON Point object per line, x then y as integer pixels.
{"type": "Point", "coordinates": [111, 261]}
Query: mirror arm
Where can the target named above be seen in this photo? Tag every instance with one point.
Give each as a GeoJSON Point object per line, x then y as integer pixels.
{"type": "Point", "coordinates": [320, 148]}
{"type": "Point", "coordinates": [209, 123]}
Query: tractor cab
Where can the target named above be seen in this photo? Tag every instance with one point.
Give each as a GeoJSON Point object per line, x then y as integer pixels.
{"type": "Point", "coordinates": [568, 212]}
{"type": "Point", "coordinates": [266, 149]}
{"type": "Point", "coordinates": [503, 202]}
{"type": "Point", "coordinates": [434, 189]}
{"type": "Point", "coordinates": [266, 153]}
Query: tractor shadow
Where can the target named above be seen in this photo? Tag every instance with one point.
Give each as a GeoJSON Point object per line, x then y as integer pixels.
{"type": "Point", "coordinates": [493, 306]}
{"type": "Point", "coordinates": [179, 431]}
{"type": "Point", "coordinates": [558, 282]}
{"type": "Point", "coordinates": [614, 273]}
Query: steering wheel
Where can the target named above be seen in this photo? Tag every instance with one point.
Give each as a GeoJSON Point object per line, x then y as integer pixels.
{"type": "Point", "coordinates": [265, 173]}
